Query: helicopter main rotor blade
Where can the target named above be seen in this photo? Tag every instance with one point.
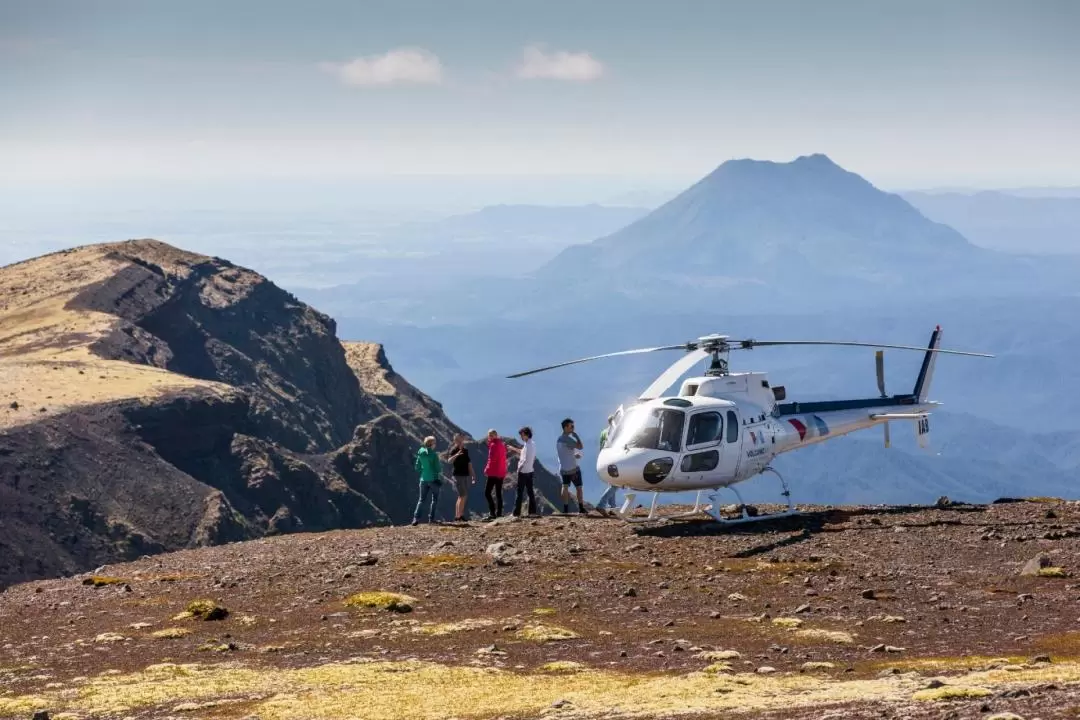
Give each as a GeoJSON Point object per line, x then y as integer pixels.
{"type": "Point", "coordinates": [599, 357]}
{"type": "Point", "coordinates": [673, 373]}
{"type": "Point", "coordinates": [750, 344]}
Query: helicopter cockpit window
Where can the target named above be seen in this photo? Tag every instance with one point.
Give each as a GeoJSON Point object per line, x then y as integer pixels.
{"type": "Point", "coordinates": [705, 428]}
{"type": "Point", "coordinates": [651, 428]}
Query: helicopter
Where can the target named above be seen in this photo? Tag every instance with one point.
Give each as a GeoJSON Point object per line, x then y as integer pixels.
{"type": "Point", "coordinates": [726, 427]}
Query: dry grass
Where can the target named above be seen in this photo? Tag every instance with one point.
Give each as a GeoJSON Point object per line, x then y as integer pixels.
{"type": "Point", "coordinates": [431, 563]}
{"type": "Point", "coordinates": [414, 690]}
{"type": "Point", "coordinates": [786, 622]}
{"type": "Point", "coordinates": [563, 667]}
{"type": "Point", "coordinates": [103, 581]}
{"type": "Point", "coordinates": [207, 610]}
{"type": "Point", "coordinates": [381, 600]}
{"type": "Point", "coordinates": [439, 629]}
{"type": "Point", "coordinates": [170, 633]}
{"type": "Point", "coordinates": [819, 635]}
{"type": "Point", "coordinates": [1052, 572]}
{"type": "Point", "coordinates": [538, 632]}
{"type": "Point", "coordinates": [950, 692]}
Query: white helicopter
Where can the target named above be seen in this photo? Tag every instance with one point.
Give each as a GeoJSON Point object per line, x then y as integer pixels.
{"type": "Point", "coordinates": [725, 428]}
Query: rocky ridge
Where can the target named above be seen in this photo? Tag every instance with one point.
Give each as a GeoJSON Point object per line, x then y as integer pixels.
{"type": "Point", "coordinates": [155, 399]}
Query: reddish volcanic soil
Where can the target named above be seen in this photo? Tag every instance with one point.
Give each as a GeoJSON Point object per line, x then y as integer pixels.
{"type": "Point", "coordinates": [919, 612]}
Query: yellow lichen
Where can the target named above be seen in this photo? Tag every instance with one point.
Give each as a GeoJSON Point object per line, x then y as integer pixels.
{"type": "Point", "coordinates": [786, 622]}
{"type": "Point", "coordinates": [718, 655]}
{"type": "Point", "coordinates": [439, 629]}
{"type": "Point", "coordinates": [544, 633]}
{"type": "Point", "coordinates": [207, 610]}
{"type": "Point", "coordinates": [103, 580]}
{"type": "Point", "coordinates": [833, 636]}
{"type": "Point", "coordinates": [395, 602]}
{"type": "Point", "coordinates": [1052, 572]}
{"type": "Point", "coordinates": [718, 667]}
{"type": "Point", "coordinates": [171, 633]}
{"type": "Point", "coordinates": [811, 666]}
{"type": "Point", "coordinates": [438, 562]}
{"type": "Point", "coordinates": [544, 611]}
{"type": "Point", "coordinates": [950, 692]}
{"type": "Point", "coordinates": [562, 666]}
{"type": "Point", "coordinates": [415, 690]}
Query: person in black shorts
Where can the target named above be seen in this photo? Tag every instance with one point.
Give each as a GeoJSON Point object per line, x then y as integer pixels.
{"type": "Point", "coordinates": [568, 446]}
{"type": "Point", "coordinates": [459, 459]}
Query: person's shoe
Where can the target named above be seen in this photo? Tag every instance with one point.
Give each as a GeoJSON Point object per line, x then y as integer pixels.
{"type": "Point", "coordinates": [415, 521]}
{"type": "Point", "coordinates": [582, 511]}
{"type": "Point", "coordinates": [566, 509]}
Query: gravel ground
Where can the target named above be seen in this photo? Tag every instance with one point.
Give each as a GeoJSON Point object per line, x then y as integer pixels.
{"type": "Point", "coordinates": [901, 598]}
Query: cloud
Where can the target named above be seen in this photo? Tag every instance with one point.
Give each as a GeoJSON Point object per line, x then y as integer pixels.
{"type": "Point", "coordinates": [398, 66]}
{"type": "Point", "coordinates": [559, 65]}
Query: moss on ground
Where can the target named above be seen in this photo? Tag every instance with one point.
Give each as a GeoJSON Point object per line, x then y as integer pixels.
{"type": "Point", "coordinates": [103, 581]}
{"type": "Point", "coordinates": [538, 632]}
{"type": "Point", "coordinates": [819, 635]}
{"type": "Point", "coordinates": [415, 690]}
{"type": "Point", "coordinates": [207, 610]}
{"type": "Point", "coordinates": [429, 563]}
{"type": "Point", "coordinates": [381, 600]}
{"type": "Point", "coordinates": [439, 629]}
{"type": "Point", "coordinates": [950, 692]}
{"type": "Point", "coordinates": [171, 633]}
{"type": "Point", "coordinates": [564, 667]}
{"type": "Point", "coordinates": [1052, 572]}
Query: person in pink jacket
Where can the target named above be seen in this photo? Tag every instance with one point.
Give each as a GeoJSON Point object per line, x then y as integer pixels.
{"type": "Point", "coordinates": [495, 472]}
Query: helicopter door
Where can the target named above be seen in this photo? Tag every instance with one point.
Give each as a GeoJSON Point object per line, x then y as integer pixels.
{"type": "Point", "coordinates": [704, 442]}
{"type": "Point", "coordinates": [731, 455]}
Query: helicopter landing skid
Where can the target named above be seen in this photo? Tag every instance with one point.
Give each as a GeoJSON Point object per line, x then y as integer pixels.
{"type": "Point", "coordinates": [627, 508]}
{"type": "Point", "coordinates": [714, 508]}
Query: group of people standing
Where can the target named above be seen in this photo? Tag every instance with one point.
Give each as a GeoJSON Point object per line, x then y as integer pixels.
{"type": "Point", "coordinates": [429, 466]}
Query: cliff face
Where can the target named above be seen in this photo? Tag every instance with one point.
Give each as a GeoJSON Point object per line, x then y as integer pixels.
{"type": "Point", "coordinates": [154, 399]}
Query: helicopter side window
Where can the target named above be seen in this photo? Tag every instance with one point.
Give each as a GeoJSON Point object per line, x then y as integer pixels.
{"type": "Point", "coordinates": [705, 428]}
{"type": "Point", "coordinates": [732, 427]}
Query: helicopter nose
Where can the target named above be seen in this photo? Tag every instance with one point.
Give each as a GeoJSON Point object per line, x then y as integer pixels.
{"type": "Point", "coordinates": [641, 469]}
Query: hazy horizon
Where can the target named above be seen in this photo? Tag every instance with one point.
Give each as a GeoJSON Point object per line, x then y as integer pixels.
{"type": "Point", "coordinates": [923, 95]}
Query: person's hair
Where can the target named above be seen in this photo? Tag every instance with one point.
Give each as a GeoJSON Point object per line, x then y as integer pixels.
{"type": "Point", "coordinates": [491, 432]}
{"type": "Point", "coordinates": [429, 440]}
{"type": "Point", "coordinates": [566, 422]}
{"type": "Point", "coordinates": [526, 431]}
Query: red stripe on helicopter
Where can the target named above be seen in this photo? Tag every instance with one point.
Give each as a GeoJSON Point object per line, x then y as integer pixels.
{"type": "Point", "coordinates": [799, 427]}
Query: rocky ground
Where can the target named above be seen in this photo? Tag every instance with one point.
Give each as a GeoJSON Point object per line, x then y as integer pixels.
{"type": "Point", "coordinates": [946, 612]}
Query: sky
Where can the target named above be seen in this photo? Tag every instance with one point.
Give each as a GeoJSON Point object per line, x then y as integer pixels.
{"type": "Point", "coordinates": [909, 94]}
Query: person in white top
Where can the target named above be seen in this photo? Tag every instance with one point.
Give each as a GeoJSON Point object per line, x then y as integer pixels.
{"type": "Point", "coordinates": [526, 464]}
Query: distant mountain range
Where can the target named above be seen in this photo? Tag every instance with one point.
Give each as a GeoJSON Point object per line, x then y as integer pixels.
{"type": "Point", "coordinates": [793, 250]}
{"type": "Point", "coordinates": [777, 236]}
{"type": "Point", "coordinates": [1007, 222]}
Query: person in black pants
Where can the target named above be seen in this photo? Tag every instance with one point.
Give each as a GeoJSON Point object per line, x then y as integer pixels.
{"type": "Point", "coordinates": [526, 462]}
{"type": "Point", "coordinates": [495, 472]}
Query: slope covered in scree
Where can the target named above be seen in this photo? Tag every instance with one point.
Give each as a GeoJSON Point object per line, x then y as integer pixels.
{"type": "Point", "coordinates": [156, 399]}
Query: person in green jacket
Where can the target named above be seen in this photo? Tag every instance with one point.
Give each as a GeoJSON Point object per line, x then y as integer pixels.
{"type": "Point", "coordinates": [430, 468]}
